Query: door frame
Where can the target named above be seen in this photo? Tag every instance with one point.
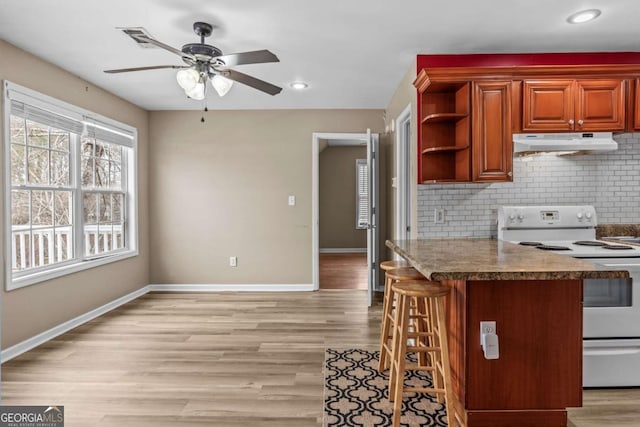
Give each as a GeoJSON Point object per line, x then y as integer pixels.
{"type": "Point", "coordinates": [403, 174]}
{"type": "Point", "coordinates": [315, 195]}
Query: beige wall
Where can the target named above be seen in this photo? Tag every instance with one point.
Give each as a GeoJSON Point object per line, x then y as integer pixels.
{"type": "Point", "coordinates": [36, 308]}
{"type": "Point", "coordinates": [404, 95]}
{"type": "Point", "coordinates": [338, 198]}
{"type": "Point", "coordinates": [220, 189]}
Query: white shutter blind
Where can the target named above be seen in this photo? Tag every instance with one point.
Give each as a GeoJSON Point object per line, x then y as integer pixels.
{"type": "Point", "coordinates": [108, 133]}
{"type": "Point", "coordinates": [362, 193]}
{"type": "Point", "coordinates": [45, 117]}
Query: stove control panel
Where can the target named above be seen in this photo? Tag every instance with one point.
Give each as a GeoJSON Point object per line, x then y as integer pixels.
{"type": "Point", "coordinates": [550, 215]}
{"type": "Point", "coordinates": [546, 217]}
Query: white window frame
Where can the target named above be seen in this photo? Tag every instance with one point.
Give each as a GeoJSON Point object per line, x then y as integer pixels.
{"type": "Point", "coordinates": [81, 262]}
{"type": "Point", "coordinates": [361, 164]}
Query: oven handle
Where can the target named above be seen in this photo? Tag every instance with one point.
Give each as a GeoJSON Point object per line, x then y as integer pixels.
{"type": "Point", "coordinates": [611, 351]}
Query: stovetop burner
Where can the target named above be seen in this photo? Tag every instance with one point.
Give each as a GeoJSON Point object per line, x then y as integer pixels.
{"type": "Point", "coordinates": [553, 248]}
{"type": "Point", "coordinates": [589, 243]}
{"type": "Point", "coordinates": [530, 243]}
{"type": "Point", "coordinates": [617, 247]}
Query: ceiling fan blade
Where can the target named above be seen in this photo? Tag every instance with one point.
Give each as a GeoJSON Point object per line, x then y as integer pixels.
{"type": "Point", "coordinates": [251, 81]}
{"type": "Point", "coordinates": [152, 67]}
{"type": "Point", "coordinates": [165, 46]}
{"type": "Point", "coordinates": [253, 57]}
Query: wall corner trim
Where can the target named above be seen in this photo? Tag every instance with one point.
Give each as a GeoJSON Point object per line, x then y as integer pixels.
{"type": "Point", "coordinates": [343, 250]}
{"type": "Point", "coordinates": [232, 287]}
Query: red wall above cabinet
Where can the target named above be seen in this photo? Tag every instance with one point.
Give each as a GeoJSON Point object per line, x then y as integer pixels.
{"type": "Point", "coordinates": [523, 59]}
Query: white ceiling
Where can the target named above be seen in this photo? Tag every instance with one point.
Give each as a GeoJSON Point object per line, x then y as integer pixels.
{"type": "Point", "coordinates": [353, 53]}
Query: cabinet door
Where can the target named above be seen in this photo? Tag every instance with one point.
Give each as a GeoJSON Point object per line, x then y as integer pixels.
{"type": "Point", "coordinates": [547, 105]}
{"type": "Point", "coordinates": [492, 149]}
{"type": "Point", "coordinates": [636, 106]}
{"type": "Point", "coordinates": [600, 105]}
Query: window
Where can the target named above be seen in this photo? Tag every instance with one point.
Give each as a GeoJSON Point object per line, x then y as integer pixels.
{"type": "Point", "coordinates": [69, 185]}
{"type": "Point", "coordinates": [362, 193]}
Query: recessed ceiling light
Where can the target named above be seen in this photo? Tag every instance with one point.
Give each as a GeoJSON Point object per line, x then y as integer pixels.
{"type": "Point", "coordinates": [583, 16]}
{"type": "Point", "coordinates": [299, 85]}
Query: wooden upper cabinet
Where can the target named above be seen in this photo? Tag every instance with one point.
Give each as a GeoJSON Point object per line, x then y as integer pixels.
{"type": "Point", "coordinates": [636, 116]}
{"type": "Point", "coordinates": [573, 105]}
{"type": "Point", "coordinates": [600, 105]}
{"type": "Point", "coordinates": [548, 105]}
{"type": "Point", "coordinates": [492, 145]}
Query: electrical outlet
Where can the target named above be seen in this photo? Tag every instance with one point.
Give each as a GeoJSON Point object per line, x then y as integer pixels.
{"type": "Point", "coordinates": [438, 216]}
{"type": "Point", "coordinates": [488, 327]}
{"type": "Point", "coordinates": [233, 261]}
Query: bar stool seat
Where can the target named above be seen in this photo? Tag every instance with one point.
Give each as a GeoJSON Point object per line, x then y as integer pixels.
{"type": "Point", "coordinates": [390, 265]}
{"type": "Point", "coordinates": [431, 309]}
{"type": "Point", "coordinates": [392, 276]}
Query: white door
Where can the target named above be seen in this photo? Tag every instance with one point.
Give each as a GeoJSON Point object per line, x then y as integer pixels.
{"type": "Point", "coordinates": [403, 168]}
{"type": "Point", "coordinates": [373, 257]}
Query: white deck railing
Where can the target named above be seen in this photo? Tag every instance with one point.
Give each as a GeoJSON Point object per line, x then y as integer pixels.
{"type": "Point", "coordinates": [52, 246]}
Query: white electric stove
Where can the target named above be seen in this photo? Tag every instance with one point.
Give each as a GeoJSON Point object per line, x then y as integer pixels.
{"type": "Point", "coordinates": [611, 326]}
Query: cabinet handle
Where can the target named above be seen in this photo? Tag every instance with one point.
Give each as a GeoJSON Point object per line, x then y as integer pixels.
{"type": "Point", "coordinates": [509, 174]}
{"type": "Point", "coordinates": [580, 122]}
{"type": "Point", "coordinates": [571, 122]}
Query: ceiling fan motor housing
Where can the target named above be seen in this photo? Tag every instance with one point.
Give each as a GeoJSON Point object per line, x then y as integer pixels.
{"type": "Point", "coordinates": [203, 52]}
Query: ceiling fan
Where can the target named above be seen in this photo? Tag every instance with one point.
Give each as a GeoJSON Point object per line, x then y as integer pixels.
{"type": "Point", "coordinates": [206, 62]}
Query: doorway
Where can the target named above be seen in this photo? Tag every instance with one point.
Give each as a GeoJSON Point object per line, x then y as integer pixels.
{"type": "Point", "coordinates": [320, 142]}
{"type": "Point", "coordinates": [342, 203]}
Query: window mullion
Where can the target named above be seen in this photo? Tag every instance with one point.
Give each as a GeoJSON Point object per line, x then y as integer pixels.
{"type": "Point", "coordinates": [76, 182]}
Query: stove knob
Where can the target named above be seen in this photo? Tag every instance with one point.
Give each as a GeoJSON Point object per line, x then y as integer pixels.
{"type": "Point", "coordinates": [579, 216]}
{"type": "Point", "coordinates": [512, 217]}
{"type": "Point", "coordinates": [520, 217]}
{"type": "Point", "coordinates": [588, 215]}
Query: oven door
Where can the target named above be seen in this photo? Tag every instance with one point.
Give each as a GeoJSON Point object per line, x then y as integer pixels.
{"type": "Point", "coordinates": [612, 306]}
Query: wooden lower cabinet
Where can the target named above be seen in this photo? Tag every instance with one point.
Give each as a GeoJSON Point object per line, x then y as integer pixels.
{"type": "Point", "coordinates": [539, 372]}
{"type": "Point", "coordinates": [491, 131]}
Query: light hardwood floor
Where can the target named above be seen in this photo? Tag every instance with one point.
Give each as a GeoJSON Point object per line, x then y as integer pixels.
{"type": "Point", "coordinates": [218, 359]}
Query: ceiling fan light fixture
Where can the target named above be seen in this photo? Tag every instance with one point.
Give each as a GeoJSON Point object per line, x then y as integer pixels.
{"type": "Point", "coordinates": [221, 84]}
{"type": "Point", "coordinates": [188, 78]}
{"type": "Point", "coordinates": [198, 92]}
{"type": "Point", "coordinates": [583, 16]}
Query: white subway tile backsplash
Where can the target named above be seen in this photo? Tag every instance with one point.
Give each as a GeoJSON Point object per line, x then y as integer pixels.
{"type": "Point", "coordinates": [609, 181]}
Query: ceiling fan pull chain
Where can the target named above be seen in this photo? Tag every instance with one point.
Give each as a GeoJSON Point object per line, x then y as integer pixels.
{"type": "Point", "coordinates": [205, 110]}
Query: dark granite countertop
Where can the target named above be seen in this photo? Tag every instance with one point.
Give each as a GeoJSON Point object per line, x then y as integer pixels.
{"type": "Point", "coordinates": [605, 231]}
{"type": "Point", "coordinates": [489, 259]}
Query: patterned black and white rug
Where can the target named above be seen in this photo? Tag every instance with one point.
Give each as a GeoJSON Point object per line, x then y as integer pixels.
{"type": "Point", "coordinates": [355, 393]}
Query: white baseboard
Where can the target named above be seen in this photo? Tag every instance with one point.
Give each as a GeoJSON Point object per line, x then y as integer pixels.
{"type": "Point", "coordinates": [233, 288]}
{"type": "Point", "coordinates": [26, 345]}
{"type": "Point", "coordinates": [343, 250]}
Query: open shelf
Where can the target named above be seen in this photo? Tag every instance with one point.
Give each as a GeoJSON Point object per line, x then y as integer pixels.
{"type": "Point", "coordinates": [441, 149]}
{"type": "Point", "coordinates": [445, 133]}
{"type": "Point", "coordinates": [444, 117]}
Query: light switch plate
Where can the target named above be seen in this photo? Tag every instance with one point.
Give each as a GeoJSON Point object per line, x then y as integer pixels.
{"type": "Point", "coordinates": [292, 200]}
{"type": "Point", "coordinates": [488, 327]}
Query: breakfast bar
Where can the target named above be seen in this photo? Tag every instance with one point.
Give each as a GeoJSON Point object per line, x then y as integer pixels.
{"type": "Point", "coordinates": [535, 299]}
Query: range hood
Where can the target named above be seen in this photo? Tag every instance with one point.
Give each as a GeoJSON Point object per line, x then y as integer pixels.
{"type": "Point", "coordinates": [564, 142]}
